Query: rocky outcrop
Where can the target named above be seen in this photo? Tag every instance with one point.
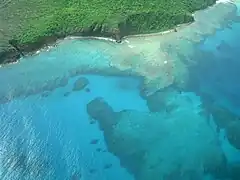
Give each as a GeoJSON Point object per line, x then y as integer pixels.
{"type": "Point", "coordinates": [9, 56]}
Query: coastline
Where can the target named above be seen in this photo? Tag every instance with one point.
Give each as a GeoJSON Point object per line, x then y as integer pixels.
{"type": "Point", "coordinates": [46, 42]}
{"type": "Point", "coordinates": [162, 60]}
{"type": "Point", "coordinates": [47, 47]}
{"type": "Point", "coordinates": [52, 42]}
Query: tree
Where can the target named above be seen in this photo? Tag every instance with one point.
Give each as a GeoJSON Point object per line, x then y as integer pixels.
{"type": "Point", "coordinates": [4, 3]}
{"type": "Point", "coordinates": [6, 41]}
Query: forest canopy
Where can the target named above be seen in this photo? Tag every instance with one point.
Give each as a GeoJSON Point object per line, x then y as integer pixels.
{"type": "Point", "coordinates": [29, 20]}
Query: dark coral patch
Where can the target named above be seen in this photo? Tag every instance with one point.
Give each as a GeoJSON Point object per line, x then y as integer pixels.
{"type": "Point", "coordinates": [94, 141]}
{"type": "Point", "coordinates": [107, 166]}
{"type": "Point", "coordinates": [92, 171]}
{"type": "Point", "coordinates": [66, 94]}
{"type": "Point", "coordinates": [87, 90]}
{"type": "Point", "coordinates": [45, 94]}
{"type": "Point", "coordinates": [80, 84]}
{"type": "Point", "coordinates": [99, 150]}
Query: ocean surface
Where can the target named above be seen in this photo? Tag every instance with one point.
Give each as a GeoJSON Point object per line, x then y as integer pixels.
{"type": "Point", "coordinates": [61, 119]}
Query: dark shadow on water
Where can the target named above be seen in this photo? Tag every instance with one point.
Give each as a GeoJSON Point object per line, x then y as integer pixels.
{"type": "Point", "coordinates": [215, 78]}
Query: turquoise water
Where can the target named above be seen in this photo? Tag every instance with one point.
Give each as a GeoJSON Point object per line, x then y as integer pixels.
{"type": "Point", "coordinates": [108, 129]}
{"type": "Point", "coordinates": [57, 128]}
{"type": "Point", "coordinates": [216, 77]}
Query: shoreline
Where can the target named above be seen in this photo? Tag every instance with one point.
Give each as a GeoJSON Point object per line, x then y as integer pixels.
{"type": "Point", "coordinates": [12, 56]}
{"type": "Point", "coordinates": [161, 33]}
{"type": "Point", "coordinates": [51, 44]}
{"type": "Point", "coordinates": [47, 46]}
{"type": "Point", "coordinates": [148, 58]}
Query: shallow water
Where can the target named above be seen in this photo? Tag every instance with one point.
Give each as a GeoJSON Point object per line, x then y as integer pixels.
{"type": "Point", "coordinates": [58, 123]}
{"type": "Point", "coordinates": [48, 130]}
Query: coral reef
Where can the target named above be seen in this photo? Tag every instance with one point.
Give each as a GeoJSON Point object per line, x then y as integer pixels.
{"type": "Point", "coordinates": [233, 134]}
{"type": "Point", "coordinates": [80, 84]}
{"type": "Point", "coordinates": [177, 145]}
{"type": "Point", "coordinates": [157, 102]}
{"type": "Point", "coordinates": [228, 121]}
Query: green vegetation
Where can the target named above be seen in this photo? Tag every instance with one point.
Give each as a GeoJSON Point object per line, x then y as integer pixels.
{"type": "Point", "coordinates": [30, 20]}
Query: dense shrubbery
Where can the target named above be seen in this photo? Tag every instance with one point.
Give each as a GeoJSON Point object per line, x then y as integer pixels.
{"type": "Point", "coordinates": [154, 21]}
{"type": "Point", "coordinates": [40, 18]}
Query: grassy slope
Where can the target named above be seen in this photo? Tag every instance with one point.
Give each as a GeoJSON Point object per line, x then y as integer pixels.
{"type": "Point", "coordinates": [28, 20]}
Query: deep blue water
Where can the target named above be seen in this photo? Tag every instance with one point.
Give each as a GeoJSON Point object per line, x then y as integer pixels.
{"type": "Point", "coordinates": [216, 76]}
{"type": "Point", "coordinates": [218, 69]}
{"type": "Point", "coordinates": [49, 134]}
